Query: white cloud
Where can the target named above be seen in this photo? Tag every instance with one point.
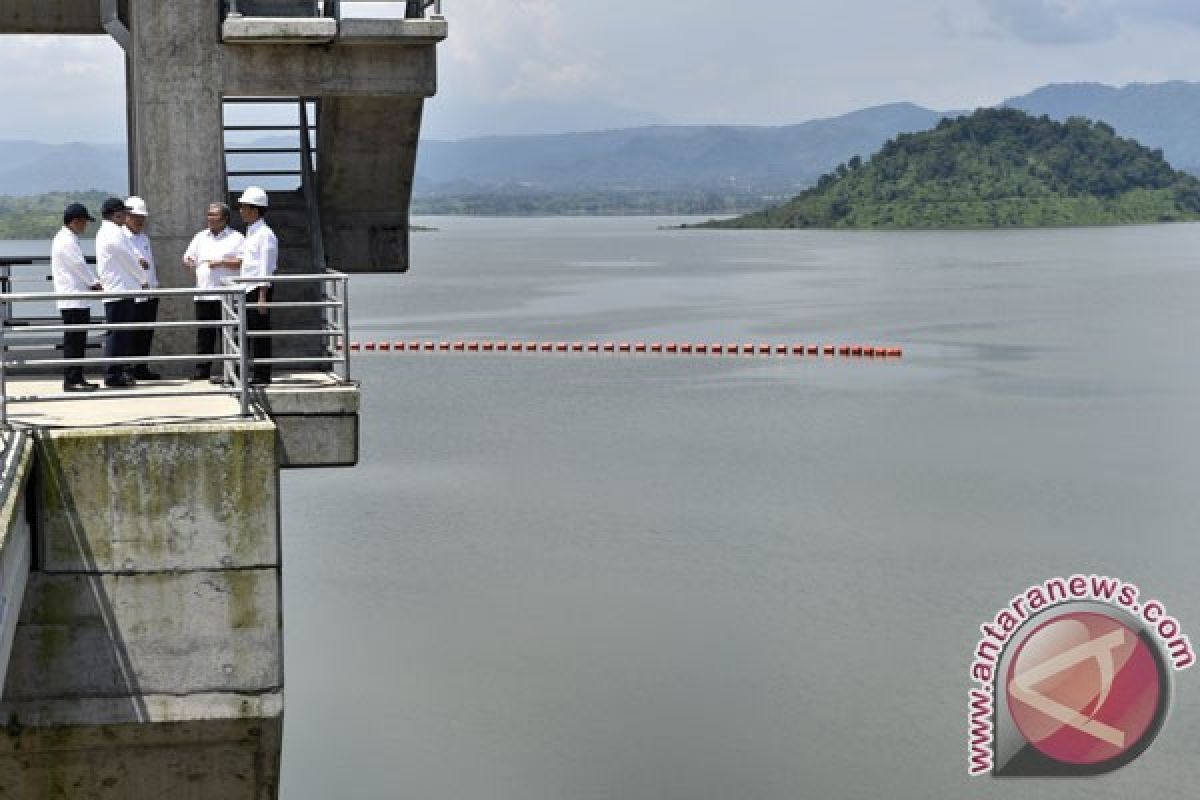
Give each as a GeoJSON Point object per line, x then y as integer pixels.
{"type": "Point", "coordinates": [540, 64]}
{"type": "Point", "coordinates": [59, 88]}
{"type": "Point", "coordinates": [1056, 22]}
{"type": "Point", "coordinates": [518, 50]}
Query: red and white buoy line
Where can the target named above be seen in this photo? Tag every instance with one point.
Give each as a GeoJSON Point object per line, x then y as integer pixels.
{"type": "Point", "coordinates": [657, 348]}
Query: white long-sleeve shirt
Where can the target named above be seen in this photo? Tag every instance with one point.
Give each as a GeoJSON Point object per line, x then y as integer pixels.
{"type": "Point", "coordinates": [260, 253]}
{"type": "Point", "coordinates": [70, 270]}
{"type": "Point", "coordinates": [207, 247]}
{"type": "Point", "coordinates": [141, 245]}
{"type": "Point", "coordinates": [116, 262]}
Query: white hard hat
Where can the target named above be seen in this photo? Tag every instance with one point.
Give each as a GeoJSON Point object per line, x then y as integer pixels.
{"type": "Point", "coordinates": [253, 196]}
{"type": "Point", "coordinates": [137, 206]}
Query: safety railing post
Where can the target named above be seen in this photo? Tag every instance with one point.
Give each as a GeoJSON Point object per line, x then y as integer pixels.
{"type": "Point", "coordinates": [3, 369]}
{"type": "Point", "coordinates": [233, 9]}
{"type": "Point", "coordinates": [243, 357]}
{"type": "Point", "coordinates": [345, 326]}
{"type": "Point", "coordinates": [329, 293]}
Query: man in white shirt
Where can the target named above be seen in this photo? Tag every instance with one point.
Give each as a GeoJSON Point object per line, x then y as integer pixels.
{"type": "Point", "coordinates": [120, 270]}
{"type": "Point", "coordinates": [146, 308]}
{"type": "Point", "coordinates": [214, 255]}
{"type": "Point", "coordinates": [260, 259]}
{"type": "Point", "coordinates": [72, 275]}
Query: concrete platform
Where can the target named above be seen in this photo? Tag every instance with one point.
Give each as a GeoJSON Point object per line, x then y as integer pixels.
{"type": "Point", "coordinates": [168, 401]}
{"type": "Point", "coordinates": [147, 658]}
{"type": "Point", "coordinates": [278, 30]}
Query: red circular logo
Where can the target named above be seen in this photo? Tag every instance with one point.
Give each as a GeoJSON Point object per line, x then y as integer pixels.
{"type": "Point", "coordinates": [1084, 688]}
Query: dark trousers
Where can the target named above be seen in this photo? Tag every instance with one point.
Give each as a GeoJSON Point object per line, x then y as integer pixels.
{"type": "Point", "coordinates": [74, 342]}
{"type": "Point", "coordinates": [147, 311]}
{"type": "Point", "coordinates": [206, 338]}
{"type": "Point", "coordinates": [119, 343]}
{"type": "Point", "coordinates": [260, 321]}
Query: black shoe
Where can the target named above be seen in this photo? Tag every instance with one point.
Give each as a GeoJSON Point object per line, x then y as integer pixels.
{"type": "Point", "coordinates": [200, 375]}
{"type": "Point", "coordinates": [144, 374]}
{"type": "Point", "coordinates": [219, 380]}
{"type": "Point", "coordinates": [120, 382]}
{"type": "Point", "coordinates": [80, 386]}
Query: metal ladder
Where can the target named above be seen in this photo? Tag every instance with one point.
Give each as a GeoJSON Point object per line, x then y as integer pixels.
{"type": "Point", "coordinates": [305, 170]}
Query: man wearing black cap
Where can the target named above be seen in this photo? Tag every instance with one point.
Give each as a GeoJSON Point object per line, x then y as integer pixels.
{"type": "Point", "coordinates": [120, 270]}
{"type": "Point", "coordinates": [73, 275]}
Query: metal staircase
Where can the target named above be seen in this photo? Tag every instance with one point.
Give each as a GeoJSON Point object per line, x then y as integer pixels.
{"type": "Point", "coordinates": [287, 172]}
{"type": "Point", "coordinates": [257, 152]}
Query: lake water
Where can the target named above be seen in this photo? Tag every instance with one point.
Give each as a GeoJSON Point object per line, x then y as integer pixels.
{"type": "Point", "coordinates": [588, 577]}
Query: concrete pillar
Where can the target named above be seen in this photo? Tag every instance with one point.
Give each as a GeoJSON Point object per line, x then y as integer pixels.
{"type": "Point", "coordinates": [176, 136]}
{"type": "Point", "coordinates": [368, 150]}
{"type": "Point", "coordinates": [147, 661]}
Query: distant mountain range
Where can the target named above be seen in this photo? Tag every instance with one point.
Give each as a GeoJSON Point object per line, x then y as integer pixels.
{"type": "Point", "coordinates": [731, 161]}
{"type": "Point", "coordinates": [29, 168]}
{"type": "Point", "coordinates": [774, 160]}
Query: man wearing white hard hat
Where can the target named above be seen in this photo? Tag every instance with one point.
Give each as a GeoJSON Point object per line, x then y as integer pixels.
{"type": "Point", "coordinates": [260, 259]}
{"type": "Point", "coordinates": [145, 308]}
{"type": "Point", "coordinates": [120, 269]}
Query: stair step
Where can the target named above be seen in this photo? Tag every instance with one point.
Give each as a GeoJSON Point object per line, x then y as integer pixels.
{"type": "Point", "coordinates": [260, 150]}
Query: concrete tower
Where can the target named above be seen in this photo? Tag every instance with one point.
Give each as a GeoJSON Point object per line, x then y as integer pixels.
{"type": "Point", "coordinates": [368, 77]}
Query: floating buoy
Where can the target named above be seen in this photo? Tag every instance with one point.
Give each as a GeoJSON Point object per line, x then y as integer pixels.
{"type": "Point", "coordinates": [686, 348]}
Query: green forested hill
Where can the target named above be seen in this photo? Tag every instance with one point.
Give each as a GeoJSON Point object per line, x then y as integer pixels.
{"type": "Point", "coordinates": [40, 216]}
{"type": "Point", "coordinates": [994, 168]}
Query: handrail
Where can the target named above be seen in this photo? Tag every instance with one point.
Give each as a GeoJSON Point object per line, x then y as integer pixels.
{"type": "Point", "coordinates": [334, 329]}
{"type": "Point", "coordinates": [413, 9]}
{"type": "Point", "coordinates": [18, 338]}
{"type": "Point", "coordinates": [308, 183]}
{"type": "Point", "coordinates": [11, 333]}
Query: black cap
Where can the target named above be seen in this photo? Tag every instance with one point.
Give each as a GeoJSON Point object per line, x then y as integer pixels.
{"type": "Point", "coordinates": [112, 205]}
{"type": "Point", "coordinates": [76, 211]}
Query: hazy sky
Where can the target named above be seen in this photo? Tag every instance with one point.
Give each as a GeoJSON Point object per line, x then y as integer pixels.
{"type": "Point", "coordinates": [551, 65]}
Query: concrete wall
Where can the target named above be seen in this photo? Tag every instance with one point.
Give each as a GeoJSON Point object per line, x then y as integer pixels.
{"type": "Point", "coordinates": [147, 661]}
{"type": "Point", "coordinates": [16, 459]}
{"type": "Point", "coordinates": [51, 16]}
{"type": "Point", "coordinates": [366, 181]}
{"type": "Point", "coordinates": [317, 427]}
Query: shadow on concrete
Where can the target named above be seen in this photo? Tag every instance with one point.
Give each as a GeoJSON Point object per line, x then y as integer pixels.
{"type": "Point", "coordinates": [68, 643]}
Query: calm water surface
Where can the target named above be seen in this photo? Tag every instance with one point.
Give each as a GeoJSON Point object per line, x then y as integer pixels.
{"type": "Point", "coordinates": [645, 578]}
{"type": "Point", "coordinates": [581, 577]}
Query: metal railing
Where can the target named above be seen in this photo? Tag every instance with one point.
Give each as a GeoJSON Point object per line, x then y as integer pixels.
{"type": "Point", "coordinates": [332, 332]}
{"type": "Point", "coordinates": [413, 9]}
{"type": "Point", "coordinates": [20, 350]}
